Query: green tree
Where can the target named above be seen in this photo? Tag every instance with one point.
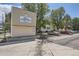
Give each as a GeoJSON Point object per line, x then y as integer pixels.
{"type": "Point", "coordinates": [75, 23]}
{"type": "Point", "coordinates": [41, 9]}
{"type": "Point", "coordinates": [41, 12]}
{"type": "Point", "coordinates": [29, 6]}
{"type": "Point", "coordinates": [57, 17]}
{"type": "Point", "coordinates": [6, 25]}
{"type": "Point", "coordinates": [8, 22]}
{"type": "Point", "coordinates": [67, 22]}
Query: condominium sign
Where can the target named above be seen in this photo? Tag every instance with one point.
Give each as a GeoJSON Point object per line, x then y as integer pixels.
{"type": "Point", "coordinates": [23, 23]}
{"type": "Point", "coordinates": [25, 19]}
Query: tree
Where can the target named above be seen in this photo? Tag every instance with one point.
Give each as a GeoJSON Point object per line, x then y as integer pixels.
{"type": "Point", "coordinates": [6, 25]}
{"type": "Point", "coordinates": [57, 17]}
{"type": "Point", "coordinates": [75, 23]}
{"type": "Point", "coordinates": [8, 22]}
{"type": "Point", "coordinates": [29, 6]}
{"type": "Point", "coordinates": [41, 9]}
{"type": "Point", "coordinates": [41, 12]}
{"type": "Point", "coordinates": [67, 22]}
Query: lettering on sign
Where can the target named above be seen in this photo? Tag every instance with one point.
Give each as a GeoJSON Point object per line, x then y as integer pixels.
{"type": "Point", "coordinates": [25, 19]}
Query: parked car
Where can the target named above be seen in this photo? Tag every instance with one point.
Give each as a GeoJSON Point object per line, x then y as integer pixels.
{"type": "Point", "coordinates": [66, 32]}
{"type": "Point", "coordinates": [54, 33]}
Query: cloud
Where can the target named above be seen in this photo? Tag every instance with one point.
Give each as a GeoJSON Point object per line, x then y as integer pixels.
{"type": "Point", "coordinates": [7, 8]}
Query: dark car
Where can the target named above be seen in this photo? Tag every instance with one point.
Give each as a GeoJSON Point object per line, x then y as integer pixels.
{"type": "Point", "coordinates": [65, 32]}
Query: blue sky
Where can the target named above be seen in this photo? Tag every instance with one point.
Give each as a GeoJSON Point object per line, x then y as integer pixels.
{"type": "Point", "coordinates": [71, 8]}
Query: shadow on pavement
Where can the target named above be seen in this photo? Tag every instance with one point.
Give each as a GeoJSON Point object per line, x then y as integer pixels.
{"type": "Point", "coordinates": [39, 48]}
{"type": "Point", "coordinates": [69, 42]}
{"type": "Point", "coordinates": [17, 40]}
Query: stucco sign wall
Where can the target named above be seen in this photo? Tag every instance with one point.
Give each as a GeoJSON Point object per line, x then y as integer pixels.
{"type": "Point", "coordinates": [23, 23]}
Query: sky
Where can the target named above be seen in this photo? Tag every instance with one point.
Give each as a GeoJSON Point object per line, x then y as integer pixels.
{"type": "Point", "coordinates": [6, 7]}
{"type": "Point", "coordinates": [70, 8]}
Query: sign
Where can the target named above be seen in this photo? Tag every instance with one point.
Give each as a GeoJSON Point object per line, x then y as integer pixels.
{"type": "Point", "coordinates": [23, 22]}
{"type": "Point", "coordinates": [25, 19]}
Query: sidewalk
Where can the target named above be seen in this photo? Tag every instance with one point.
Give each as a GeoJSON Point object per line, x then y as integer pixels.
{"type": "Point", "coordinates": [63, 36]}
{"type": "Point", "coordinates": [52, 49]}
{"type": "Point", "coordinates": [64, 39]}
{"type": "Point", "coordinates": [59, 50]}
{"type": "Point", "coordinates": [64, 45]}
{"type": "Point", "coordinates": [36, 48]}
{"type": "Point", "coordinates": [20, 49]}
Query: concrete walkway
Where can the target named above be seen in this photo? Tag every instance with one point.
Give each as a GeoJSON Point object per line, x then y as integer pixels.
{"type": "Point", "coordinates": [55, 47]}
{"type": "Point", "coordinates": [59, 50]}
{"type": "Point", "coordinates": [20, 49]}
